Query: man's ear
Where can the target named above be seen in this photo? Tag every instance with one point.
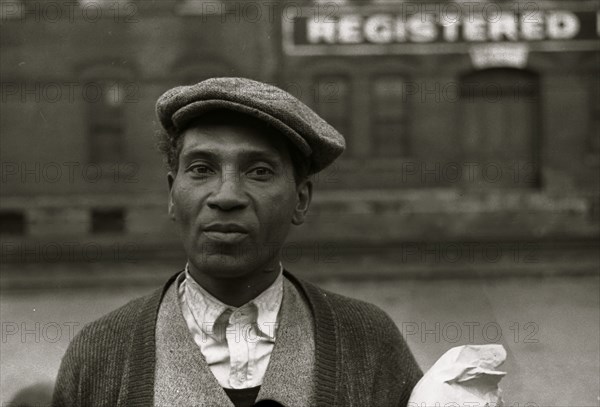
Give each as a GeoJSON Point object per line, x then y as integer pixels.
{"type": "Point", "coordinates": [171, 180]}
{"type": "Point", "coordinates": [304, 191]}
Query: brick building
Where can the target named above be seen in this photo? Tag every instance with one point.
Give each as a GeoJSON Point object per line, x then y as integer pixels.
{"type": "Point", "coordinates": [464, 123]}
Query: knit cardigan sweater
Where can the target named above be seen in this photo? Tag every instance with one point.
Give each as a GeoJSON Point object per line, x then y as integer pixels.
{"type": "Point", "coordinates": [361, 358]}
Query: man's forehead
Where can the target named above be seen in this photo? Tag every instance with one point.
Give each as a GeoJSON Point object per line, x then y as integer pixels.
{"type": "Point", "coordinates": [232, 139]}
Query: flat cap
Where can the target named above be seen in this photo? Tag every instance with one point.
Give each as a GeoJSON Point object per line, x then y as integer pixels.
{"type": "Point", "coordinates": [318, 141]}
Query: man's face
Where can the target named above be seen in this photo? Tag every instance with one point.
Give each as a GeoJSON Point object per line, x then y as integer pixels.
{"type": "Point", "coordinates": [234, 198]}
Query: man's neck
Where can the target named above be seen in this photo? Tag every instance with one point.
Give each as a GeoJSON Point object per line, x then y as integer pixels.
{"type": "Point", "coordinates": [236, 291]}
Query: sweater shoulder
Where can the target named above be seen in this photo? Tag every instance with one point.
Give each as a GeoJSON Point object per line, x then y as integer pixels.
{"type": "Point", "coordinates": [361, 320]}
{"type": "Point", "coordinates": [118, 318]}
{"type": "Point", "coordinates": [109, 331]}
{"type": "Point", "coordinates": [371, 343]}
{"type": "Point", "coordinates": [357, 310]}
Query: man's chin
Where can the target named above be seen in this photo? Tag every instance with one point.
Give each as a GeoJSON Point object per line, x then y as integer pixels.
{"type": "Point", "coordinates": [224, 265]}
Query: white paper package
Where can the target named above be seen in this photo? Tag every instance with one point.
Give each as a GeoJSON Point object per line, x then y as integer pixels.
{"type": "Point", "coordinates": [465, 376]}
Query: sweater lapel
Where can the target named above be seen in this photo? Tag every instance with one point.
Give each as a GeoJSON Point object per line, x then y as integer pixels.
{"type": "Point", "coordinates": [140, 387]}
{"type": "Point", "coordinates": [183, 377]}
{"type": "Point", "coordinates": [327, 346]}
{"type": "Point", "coordinates": [289, 378]}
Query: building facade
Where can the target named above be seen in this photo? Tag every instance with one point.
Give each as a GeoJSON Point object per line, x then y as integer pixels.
{"type": "Point", "coordinates": [464, 121]}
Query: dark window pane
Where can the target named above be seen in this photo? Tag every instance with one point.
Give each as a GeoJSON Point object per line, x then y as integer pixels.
{"type": "Point", "coordinates": [108, 220]}
{"type": "Point", "coordinates": [12, 223]}
{"type": "Point", "coordinates": [391, 140]}
{"type": "Point", "coordinates": [105, 145]}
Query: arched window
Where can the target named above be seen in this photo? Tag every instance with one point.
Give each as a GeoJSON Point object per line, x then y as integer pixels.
{"type": "Point", "coordinates": [106, 92]}
{"type": "Point", "coordinates": [500, 127]}
{"type": "Point", "coordinates": [106, 122]}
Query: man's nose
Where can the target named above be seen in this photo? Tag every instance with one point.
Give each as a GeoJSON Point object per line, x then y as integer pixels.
{"type": "Point", "coordinates": [229, 194]}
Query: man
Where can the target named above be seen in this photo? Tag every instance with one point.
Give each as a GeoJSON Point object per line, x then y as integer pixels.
{"type": "Point", "coordinates": [234, 327]}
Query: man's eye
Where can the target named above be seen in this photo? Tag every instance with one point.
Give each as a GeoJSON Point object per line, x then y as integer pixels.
{"type": "Point", "coordinates": [261, 173]}
{"type": "Point", "coordinates": [201, 170]}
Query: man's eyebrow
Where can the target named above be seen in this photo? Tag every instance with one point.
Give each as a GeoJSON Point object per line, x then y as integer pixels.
{"type": "Point", "coordinates": [199, 153]}
{"type": "Point", "coordinates": [245, 154]}
{"type": "Point", "coordinates": [255, 155]}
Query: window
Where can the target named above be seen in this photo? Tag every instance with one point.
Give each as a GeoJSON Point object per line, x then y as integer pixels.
{"type": "Point", "coordinates": [332, 99]}
{"type": "Point", "coordinates": [106, 124]}
{"type": "Point", "coordinates": [389, 116]}
{"type": "Point", "coordinates": [501, 126]}
{"type": "Point", "coordinates": [108, 220]}
{"type": "Point", "coordinates": [12, 223]}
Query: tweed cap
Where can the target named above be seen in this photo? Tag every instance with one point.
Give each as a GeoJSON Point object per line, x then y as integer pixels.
{"type": "Point", "coordinates": [318, 141]}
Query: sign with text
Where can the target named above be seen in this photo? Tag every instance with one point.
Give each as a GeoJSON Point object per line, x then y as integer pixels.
{"type": "Point", "coordinates": [418, 28]}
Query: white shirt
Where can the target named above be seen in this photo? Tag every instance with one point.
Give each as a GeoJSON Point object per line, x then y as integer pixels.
{"type": "Point", "coordinates": [236, 342]}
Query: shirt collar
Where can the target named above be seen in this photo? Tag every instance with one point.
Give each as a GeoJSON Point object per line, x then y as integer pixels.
{"type": "Point", "coordinates": [209, 312]}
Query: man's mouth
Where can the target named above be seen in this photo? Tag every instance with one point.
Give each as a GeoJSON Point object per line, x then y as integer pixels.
{"type": "Point", "coordinates": [225, 232]}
